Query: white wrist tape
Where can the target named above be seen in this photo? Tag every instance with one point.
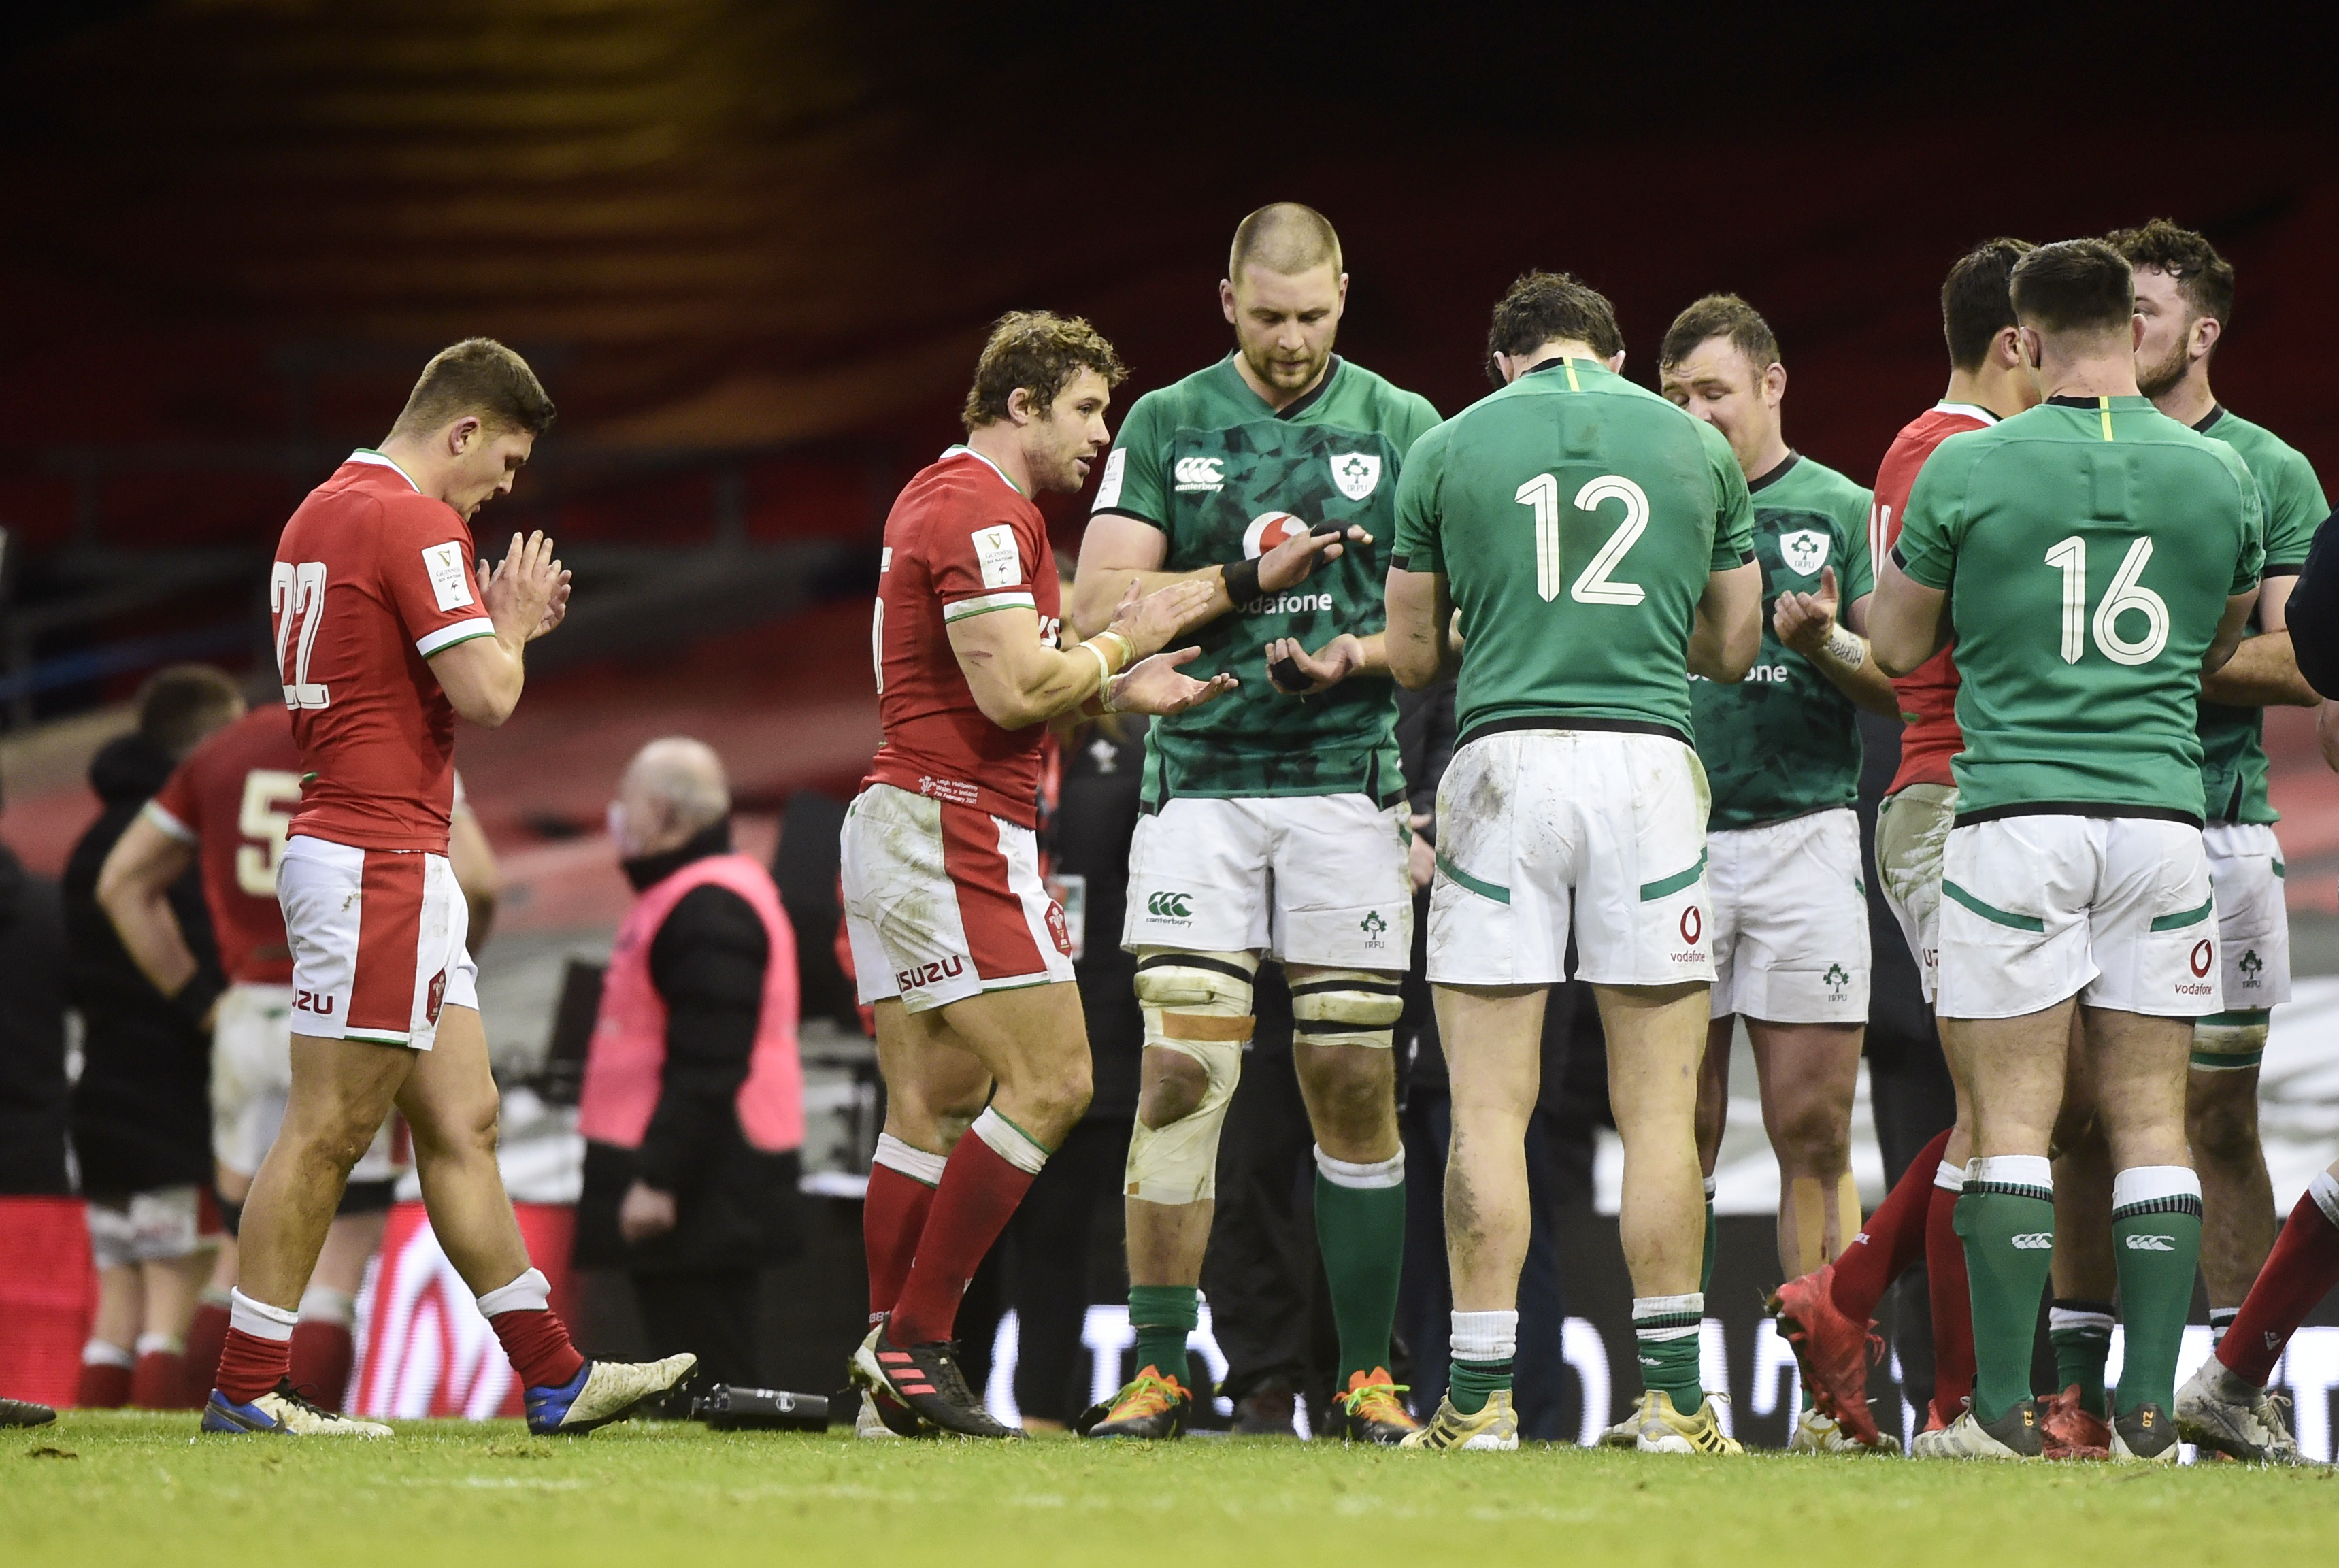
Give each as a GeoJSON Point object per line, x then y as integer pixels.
{"type": "Point", "coordinates": [1846, 648]}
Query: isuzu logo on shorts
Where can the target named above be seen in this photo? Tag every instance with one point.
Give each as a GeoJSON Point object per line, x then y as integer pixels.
{"type": "Point", "coordinates": [1169, 906]}
{"type": "Point", "coordinates": [317, 1001]}
{"type": "Point", "coordinates": [926, 974]}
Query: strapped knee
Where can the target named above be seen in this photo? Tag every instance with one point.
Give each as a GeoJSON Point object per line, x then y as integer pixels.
{"type": "Point", "coordinates": [1198, 1004]}
{"type": "Point", "coordinates": [2222, 1046]}
{"type": "Point", "coordinates": [1347, 1007]}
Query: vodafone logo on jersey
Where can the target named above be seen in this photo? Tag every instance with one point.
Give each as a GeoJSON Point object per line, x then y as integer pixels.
{"type": "Point", "coordinates": [1269, 529]}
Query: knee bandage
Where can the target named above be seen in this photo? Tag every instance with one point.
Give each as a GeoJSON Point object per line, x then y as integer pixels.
{"type": "Point", "coordinates": [2228, 1046]}
{"type": "Point", "coordinates": [1347, 1007]}
{"type": "Point", "coordinates": [1198, 1004]}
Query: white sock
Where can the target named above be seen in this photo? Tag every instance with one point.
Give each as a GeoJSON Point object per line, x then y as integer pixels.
{"type": "Point", "coordinates": [99, 1352]}
{"type": "Point", "coordinates": [259, 1319]}
{"type": "Point", "coordinates": [531, 1292]}
{"type": "Point", "coordinates": [161, 1345]}
{"type": "Point", "coordinates": [1949, 1177]}
{"type": "Point", "coordinates": [1377, 1173]}
{"type": "Point", "coordinates": [2028, 1174]}
{"type": "Point", "coordinates": [1484, 1337]}
{"type": "Point", "coordinates": [909, 1160]}
{"type": "Point", "coordinates": [1010, 1142]}
{"type": "Point", "coordinates": [323, 1303]}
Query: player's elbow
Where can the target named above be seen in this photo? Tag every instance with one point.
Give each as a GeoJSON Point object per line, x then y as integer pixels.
{"type": "Point", "coordinates": [1414, 666]}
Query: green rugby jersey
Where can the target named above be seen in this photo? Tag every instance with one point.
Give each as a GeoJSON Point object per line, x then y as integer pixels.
{"type": "Point", "coordinates": [2087, 547]}
{"type": "Point", "coordinates": [1575, 518]}
{"type": "Point", "coordinates": [2232, 757]}
{"type": "Point", "coordinates": [1219, 473]}
{"type": "Point", "coordinates": [1785, 741]}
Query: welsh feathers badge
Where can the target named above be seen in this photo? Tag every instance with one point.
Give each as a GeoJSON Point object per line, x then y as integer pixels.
{"type": "Point", "coordinates": [1355, 474]}
{"type": "Point", "coordinates": [1805, 551]}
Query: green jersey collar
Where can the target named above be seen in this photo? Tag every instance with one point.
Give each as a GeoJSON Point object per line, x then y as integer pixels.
{"type": "Point", "coordinates": [369, 456]}
{"type": "Point", "coordinates": [1779, 471]}
{"type": "Point", "coordinates": [1570, 367]}
{"type": "Point", "coordinates": [1290, 410]}
{"type": "Point", "coordinates": [963, 450]}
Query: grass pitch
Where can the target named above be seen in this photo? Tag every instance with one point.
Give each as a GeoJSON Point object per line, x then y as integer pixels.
{"type": "Point", "coordinates": [137, 1490]}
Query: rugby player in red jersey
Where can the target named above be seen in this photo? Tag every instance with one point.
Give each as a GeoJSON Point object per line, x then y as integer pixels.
{"type": "Point", "coordinates": [955, 941]}
{"type": "Point", "coordinates": [227, 808]}
{"type": "Point", "coordinates": [1826, 1312]}
{"type": "Point", "coordinates": [385, 632]}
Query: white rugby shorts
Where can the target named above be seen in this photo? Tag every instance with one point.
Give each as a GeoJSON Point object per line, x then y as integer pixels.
{"type": "Point", "coordinates": [251, 1079]}
{"type": "Point", "coordinates": [1789, 921]}
{"type": "Point", "coordinates": [1913, 827]}
{"type": "Point", "coordinates": [2252, 918]}
{"type": "Point", "coordinates": [2116, 910]}
{"type": "Point", "coordinates": [1536, 827]}
{"type": "Point", "coordinates": [377, 941]}
{"type": "Point", "coordinates": [944, 901]}
{"type": "Point", "coordinates": [158, 1226]}
{"type": "Point", "coordinates": [1305, 879]}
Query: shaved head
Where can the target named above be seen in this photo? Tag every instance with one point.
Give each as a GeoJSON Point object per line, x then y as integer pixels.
{"type": "Point", "coordinates": [673, 789]}
{"type": "Point", "coordinates": [1285, 238]}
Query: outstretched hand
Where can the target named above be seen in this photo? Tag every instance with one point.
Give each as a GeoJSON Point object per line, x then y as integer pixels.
{"type": "Point", "coordinates": [1156, 686]}
{"type": "Point", "coordinates": [1804, 622]}
{"type": "Point", "coordinates": [1290, 562]}
{"type": "Point", "coordinates": [1292, 670]}
{"type": "Point", "coordinates": [527, 593]}
{"type": "Point", "coordinates": [1149, 620]}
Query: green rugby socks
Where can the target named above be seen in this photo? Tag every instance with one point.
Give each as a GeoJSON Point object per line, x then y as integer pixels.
{"type": "Point", "coordinates": [1666, 1328]}
{"type": "Point", "coordinates": [2081, 1333]}
{"type": "Point", "coordinates": [2007, 1218]}
{"type": "Point", "coordinates": [1483, 1347]}
{"type": "Point", "coordinates": [2156, 1243]}
{"type": "Point", "coordinates": [1163, 1316]}
{"type": "Point", "coordinates": [1360, 1232]}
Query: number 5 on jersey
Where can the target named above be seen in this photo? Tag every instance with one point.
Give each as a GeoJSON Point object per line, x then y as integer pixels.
{"type": "Point", "coordinates": [296, 598]}
{"type": "Point", "coordinates": [1593, 586]}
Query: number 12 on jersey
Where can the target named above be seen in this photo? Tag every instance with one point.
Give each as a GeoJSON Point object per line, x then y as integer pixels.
{"type": "Point", "coordinates": [1593, 586]}
{"type": "Point", "coordinates": [297, 595]}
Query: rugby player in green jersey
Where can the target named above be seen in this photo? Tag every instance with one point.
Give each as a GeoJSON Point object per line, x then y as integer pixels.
{"type": "Point", "coordinates": [1278, 827]}
{"type": "Point", "coordinates": [2095, 558]}
{"type": "Point", "coordinates": [1788, 920]}
{"type": "Point", "coordinates": [2184, 295]}
{"type": "Point", "coordinates": [1597, 544]}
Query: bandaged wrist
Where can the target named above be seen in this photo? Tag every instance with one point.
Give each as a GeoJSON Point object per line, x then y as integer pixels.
{"type": "Point", "coordinates": [1845, 647]}
{"type": "Point", "coordinates": [1128, 650]}
{"type": "Point", "coordinates": [1242, 580]}
{"type": "Point", "coordinates": [1104, 666]}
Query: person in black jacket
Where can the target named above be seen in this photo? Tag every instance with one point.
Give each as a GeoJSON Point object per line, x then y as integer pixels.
{"type": "Point", "coordinates": [694, 1210]}
{"type": "Point", "coordinates": [142, 1126]}
{"type": "Point", "coordinates": [34, 1094]}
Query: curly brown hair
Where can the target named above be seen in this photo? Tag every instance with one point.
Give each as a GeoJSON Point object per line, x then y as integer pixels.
{"type": "Point", "coordinates": [2205, 278]}
{"type": "Point", "coordinates": [1541, 307]}
{"type": "Point", "coordinates": [1040, 352]}
{"type": "Point", "coordinates": [1719, 316]}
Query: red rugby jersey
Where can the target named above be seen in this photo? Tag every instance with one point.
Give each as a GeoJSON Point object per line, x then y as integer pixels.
{"type": "Point", "coordinates": [371, 577]}
{"type": "Point", "coordinates": [961, 540]}
{"type": "Point", "coordinates": [1927, 694]}
{"type": "Point", "coordinates": [233, 798]}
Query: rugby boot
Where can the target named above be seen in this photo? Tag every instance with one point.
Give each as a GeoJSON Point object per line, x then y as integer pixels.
{"type": "Point", "coordinates": [2225, 1414]}
{"type": "Point", "coordinates": [1495, 1426]}
{"type": "Point", "coordinates": [1625, 1433]}
{"type": "Point", "coordinates": [603, 1392]}
{"type": "Point", "coordinates": [1833, 1348]}
{"type": "Point", "coordinates": [883, 1417]}
{"type": "Point", "coordinates": [1370, 1411]}
{"type": "Point", "coordinates": [2144, 1435]}
{"type": "Point", "coordinates": [284, 1413]}
{"type": "Point", "coordinates": [1818, 1433]}
{"type": "Point", "coordinates": [926, 1379]}
{"type": "Point", "coordinates": [25, 1413]}
{"type": "Point", "coordinates": [1665, 1430]}
{"type": "Point", "coordinates": [1153, 1406]}
{"type": "Point", "coordinates": [2013, 1435]}
{"type": "Point", "coordinates": [2067, 1430]}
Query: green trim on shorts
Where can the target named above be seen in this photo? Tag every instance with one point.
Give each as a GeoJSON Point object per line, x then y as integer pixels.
{"type": "Point", "coordinates": [2278, 870]}
{"type": "Point", "coordinates": [1653, 891]}
{"type": "Point", "coordinates": [2189, 917]}
{"type": "Point", "coordinates": [1991, 912]}
{"type": "Point", "coordinates": [369, 1038]}
{"type": "Point", "coordinates": [1482, 889]}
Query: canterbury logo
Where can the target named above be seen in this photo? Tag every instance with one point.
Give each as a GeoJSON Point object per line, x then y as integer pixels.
{"type": "Point", "coordinates": [2152, 1244]}
{"type": "Point", "coordinates": [1169, 906]}
{"type": "Point", "coordinates": [2034, 1241]}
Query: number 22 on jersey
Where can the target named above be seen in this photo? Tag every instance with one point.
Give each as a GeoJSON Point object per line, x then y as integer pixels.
{"type": "Point", "coordinates": [296, 598]}
{"type": "Point", "coordinates": [1593, 585]}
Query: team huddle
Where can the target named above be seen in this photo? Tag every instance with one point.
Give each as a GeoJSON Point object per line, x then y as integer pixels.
{"type": "Point", "coordinates": [1661, 622]}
